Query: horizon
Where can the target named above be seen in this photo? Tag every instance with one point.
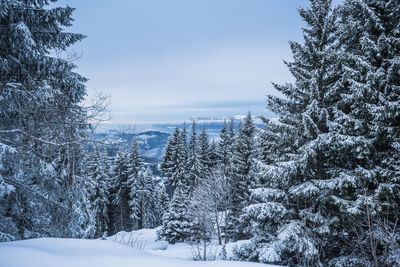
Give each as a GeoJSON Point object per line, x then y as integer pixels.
{"type": "Point", "coordinates": [163, 62]}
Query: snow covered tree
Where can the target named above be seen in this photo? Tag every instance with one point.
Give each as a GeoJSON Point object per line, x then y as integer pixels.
{"type": "Point", "coordinates": [205, 154]}
{"type": "Point", "coordinates": [100, 200]}
{"type": "Point", "coordinates": [240, 179]}
{"type": "Point", "coordinates": [369, 114]}
{"type": "Point", "coordinates": [120, 195]}
{"type": "Point", "coordinates": [209, 205]}
{"type": "Point", "coordinates": [194, 165]}
{"type": "Point", "coordinates": [177, 223]}
{"type": "Point", "coordinates": [161, 203]}
{"type": "Point", "coordinates": [42, 123]}
{"type": "Point", "coordinates": [97, 185]}
{"type": "Point", "coordinates": [225, 147]}
{"type": "Point", "coordinates": [143, 200]}
{"type": "Point", "coordinates": [327, 193]}
{"type": "Point", "coordinates": [156, 201]}
{"type": "Point", "coordinates": [174, 164]}
{"type": "Point", "coordinates": [303, 160]}
{"type": "Point", "coordinates": [135, 161]}
{"type": "Point", "coordinates": [168, 160]}
{"type": "Point", "coordinates": [213, 155]}
{"type": "Point", "coordinates": [136, 186]}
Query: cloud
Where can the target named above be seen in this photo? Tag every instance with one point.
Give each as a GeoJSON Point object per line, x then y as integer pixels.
{"type": "Point", "coordinates": [223, 79]}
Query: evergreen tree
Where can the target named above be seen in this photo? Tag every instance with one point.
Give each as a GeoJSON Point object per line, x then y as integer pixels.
{"type": "Point", "coordinates": [369, 115]}
{"type": "Point", "coordinates": [100, 201]}
{"type": "Point", "coordinates": [322, 200]}
{"type": "Point", "coordinates": [174, 164]}
{"type": "Point", "coordinates": [161, 204]}
{"type": "Point", "coordinates": [180, 159]}
{"type": "Point", "coordinates": [225, 147]}
{"type": "Point", "coordinates": [205, 154]}
{"type": "Point", "coordinates": [184, 143]}
{"type": "Point", "coordinates": [213, 155]}
{"type": "Point", "coordinates": [177, 223]}
{"type": "Point", "coordinates": [42, 122]}
{"type": "Point", "coordinates": [152, 218]}
{"type": "Point", "coordinates": [242, 164]}
{"type": "Point", "coordinates": [121, 191]}
{"type": "Point", "coordinates": [135, 185]}
{"type": "Point", "coordinates": [143, 198]}
{"type": "Point", "coordinates": [291, 217]}
{"type": "Point", "coordinates": [169, 154]}
{"type": "Point", "coordinates": [97, 187]}
{"type": "Point", "coordinates": [194, 165]}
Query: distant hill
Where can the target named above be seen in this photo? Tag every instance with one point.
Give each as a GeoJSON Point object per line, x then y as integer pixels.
{"type": "Point", "coordinates": [152, 142]}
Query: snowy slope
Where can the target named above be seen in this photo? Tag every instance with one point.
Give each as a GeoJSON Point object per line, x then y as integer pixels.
{"type": "Point", "coordinates": [146, 239]}
{"type": "Point", "coordinates": [57, 252]}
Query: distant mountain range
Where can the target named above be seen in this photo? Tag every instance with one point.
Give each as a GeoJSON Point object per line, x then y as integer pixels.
{"type": "Point", "coordinates": [152, 142]}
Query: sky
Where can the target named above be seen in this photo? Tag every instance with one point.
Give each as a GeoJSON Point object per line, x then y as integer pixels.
{"type": "Point", "coordinates": [162, 60]}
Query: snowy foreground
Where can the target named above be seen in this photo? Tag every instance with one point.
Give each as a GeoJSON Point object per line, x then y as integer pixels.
{"type": "Point", "coordinates": [142, 251]}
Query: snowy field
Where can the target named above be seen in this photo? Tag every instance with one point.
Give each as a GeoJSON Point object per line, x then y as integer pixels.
{"type": "Point", "coordinates": [142, 251]}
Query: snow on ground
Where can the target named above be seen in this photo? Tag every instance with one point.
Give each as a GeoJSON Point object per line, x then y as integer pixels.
{"type": "Point", "coordinates": [59, 252]}
{"type": "Point", "coordinates": [146, 239]}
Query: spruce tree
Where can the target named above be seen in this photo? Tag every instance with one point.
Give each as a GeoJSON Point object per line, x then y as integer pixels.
{"type": "Point", "coordinates": [168, 160]}
{"type": "Point", "coordinates": [151, 196]}
{"type": "Point", "coordinates": [42, 122]}
{"type": "Point", "coordinates": [205, 154]}
{"type": "Point", "coordinates": [121, 191]}
{"type": "Point", "coordinates": [135, 184]}
{"type": "Point", "coordinates": [213, 155]}
{"type": "Point", "coordinates": [161, 203]}
{"type": "Point", "coordinates": [309, 167]}
{"type": "Point", "coordinates": [180, 160]}
{"type": "Point", "coordinates": [100, 201]}
{"type": "Point", "coordinates": [175, 158]}
{"type": "Point", "coordinates": [242, 166]}
{"type": "Point", "coordinates": [194, 165]}
{"type": "Point", "coordinates": [177, 223]}
{"type": "Point", "coordinates": [225, 147]}
{"type": "Point", "coordinates": [142, 201]}
{"type": "Point", "coordinates": [369, 115]}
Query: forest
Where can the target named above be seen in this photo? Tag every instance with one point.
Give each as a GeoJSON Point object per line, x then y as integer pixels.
{"type": "Point", "coordinates": [317, 185]}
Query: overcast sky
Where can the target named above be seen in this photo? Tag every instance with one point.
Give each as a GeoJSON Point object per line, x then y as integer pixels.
{"type": "Point", "coordinates": [163, 60]}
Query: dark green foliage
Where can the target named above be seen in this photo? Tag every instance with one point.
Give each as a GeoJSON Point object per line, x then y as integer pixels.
{"type": "Point", "coordinates": [42, 122]}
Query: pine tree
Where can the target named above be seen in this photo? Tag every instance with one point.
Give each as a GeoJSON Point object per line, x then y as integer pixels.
{"type": "Point", "coordinates": [288, 225]}
{"type": "Point", "coordinates": [97, 187]}
{"type": "Point", "coordinates": [180, 160]}
{"type": "Point", "coordinates": [205, 154]}
{"type": "Point", "coordinates": [161, 203]}
{"type": "Point", "coordinates": [213, 155]}
{"type": "Point", "coordinates": [168, 160]}
{"type": "Point", "coordinates": [225, 147]}
{"type": "Point", "coordinates": [242, 164]}
{"type": "Point", "coordinates": [135, 184]}
{"type": "Point", "coordinates": [177, 223]}
{"type": "Point", "coordinates": [334, 162]}
{"type": "Point", "coordinates": [369, 113]}
{"type": "Point", "coordinates": [142, 201]}
{"type": "Point", "coordinates": [194, 165]}
{"type": "Point", "coordinates": [150, 199]}
{"type": "Point", "coordinates": [42, 122]}
{"type": "Point", "coordinates": [174, 164]}
{"type": "Point", "coordinates": [100, 201]}
{"type": "Point", "coordinates": [121, 191]}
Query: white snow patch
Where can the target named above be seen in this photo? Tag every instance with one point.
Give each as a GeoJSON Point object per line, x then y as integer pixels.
{"type": "Point", "coordinates": [50, 252]}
